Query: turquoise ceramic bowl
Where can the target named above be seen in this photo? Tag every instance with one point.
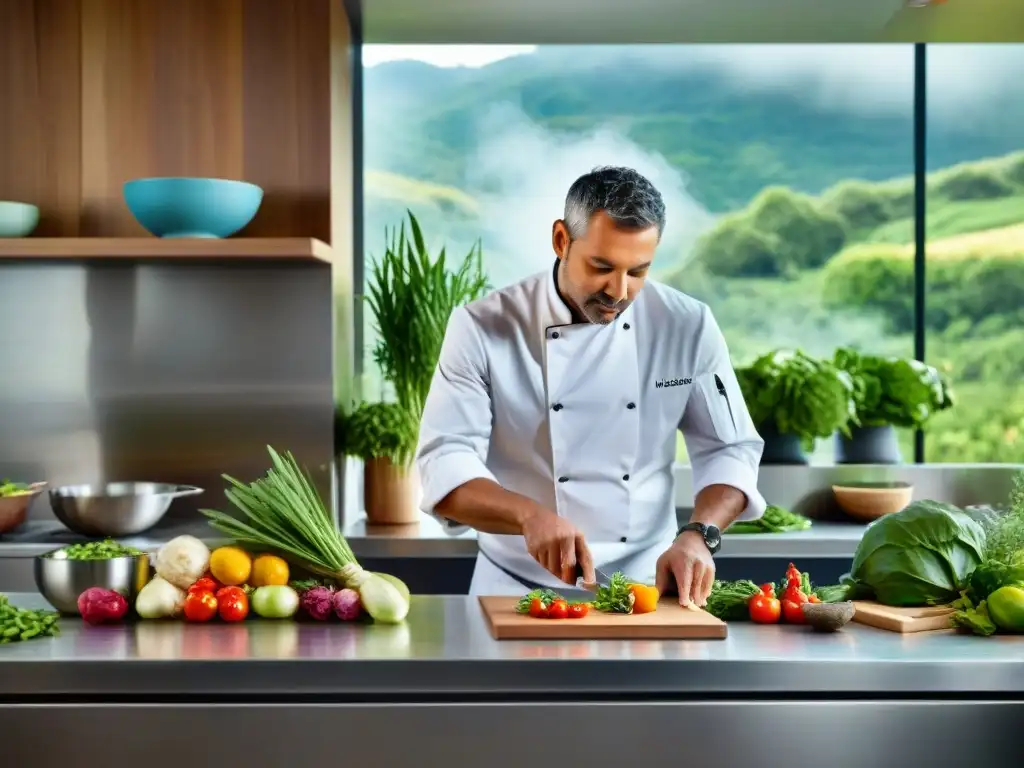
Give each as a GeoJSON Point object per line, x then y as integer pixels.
{"type": "Point", "coordinates": [187, 207]}
{"type": "Point", "coordinates": [17, 219]}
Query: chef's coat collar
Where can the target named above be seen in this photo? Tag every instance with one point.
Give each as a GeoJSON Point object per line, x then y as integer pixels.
{"type": "Point", "coordinates": [557, 311]}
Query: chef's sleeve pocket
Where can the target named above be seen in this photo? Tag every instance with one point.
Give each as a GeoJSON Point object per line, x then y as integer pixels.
{"type": "Point", "coordinates": [719, 404]}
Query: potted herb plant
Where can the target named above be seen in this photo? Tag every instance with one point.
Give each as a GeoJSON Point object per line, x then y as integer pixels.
{"type": "Point", "coordinates": [411, 294]}
{"type": "Point", "coordinates": [794, 399]}
{"type": "Point", "coordinates": [889, 392]}
{"type": "Point", "coordinates": [383, 436]}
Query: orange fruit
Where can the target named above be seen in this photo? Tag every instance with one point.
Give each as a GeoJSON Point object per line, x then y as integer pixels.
{"type": "Point", "coordinates": [269, 571]}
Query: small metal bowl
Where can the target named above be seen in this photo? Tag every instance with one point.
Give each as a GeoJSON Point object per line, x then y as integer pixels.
{"type": "Point", "coordinates": [14, 509]}
{"type": "Point", "coordinates": [62, 581]}
{"type": "Point", "coordinates": [115, 509]}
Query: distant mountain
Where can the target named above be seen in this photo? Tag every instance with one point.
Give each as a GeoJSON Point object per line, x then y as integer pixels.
{"type": "Point", "coordinates": [731, 140]}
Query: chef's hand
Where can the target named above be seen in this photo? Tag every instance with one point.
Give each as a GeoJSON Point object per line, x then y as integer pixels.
{"type": "Point", "coordinates": [687, 566]}
{"type": "Point", "coordinates": [555, 543]}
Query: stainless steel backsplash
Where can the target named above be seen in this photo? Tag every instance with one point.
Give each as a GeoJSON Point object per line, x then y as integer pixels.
{"type": "Point", "coordinates": [173, 372]}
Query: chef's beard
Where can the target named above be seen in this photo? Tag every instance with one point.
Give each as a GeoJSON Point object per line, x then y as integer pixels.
{"type": "Point", "coordinates": [593, 306]}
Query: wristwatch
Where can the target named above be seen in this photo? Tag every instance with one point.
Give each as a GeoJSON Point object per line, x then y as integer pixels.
{"type": "Point", "coordinates": [712, 536]}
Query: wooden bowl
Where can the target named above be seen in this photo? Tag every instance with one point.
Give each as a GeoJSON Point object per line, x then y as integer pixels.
{"type": "Point", "coordinates": [870, 501]}
{"type": "Point", "coordinates": [14, 509]}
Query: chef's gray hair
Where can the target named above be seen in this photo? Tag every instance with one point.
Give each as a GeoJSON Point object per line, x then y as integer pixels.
{"type": "Point", "coordinates": [629, 199]}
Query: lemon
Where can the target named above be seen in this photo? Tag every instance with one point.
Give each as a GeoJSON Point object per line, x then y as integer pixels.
{"type": "Point", "coordinates": [230, 566]}
{"type": "Point", "coordinates": [269, 571]}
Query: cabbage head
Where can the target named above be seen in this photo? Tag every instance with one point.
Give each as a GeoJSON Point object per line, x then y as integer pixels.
{"type": "Point", "coordinates": [922, 555]}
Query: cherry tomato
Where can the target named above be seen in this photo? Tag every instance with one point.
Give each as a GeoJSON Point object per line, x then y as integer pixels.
{"type": "Point", "coordinates": [233, 606]}
{"type": "Point", "coordinates": [578, 610]}
{"type": "Point", "coordinates": [794, 594]}
{"type": "Point", "coordinates": [558, 610]}
{"type": "Point", "coordinates": [792, 612]}
{"type": "Point", "coordinates": [205, 584]}
{"type": "Point", "coordinates": [538, 609]}
{"type": "Point", "coordinates": [813, 599]}
{"type": "Point", "coordinates": [227, 593]}
{"type": "Point", "coordinates": [200, 606]}
{"type": "Point", "coordinates": [768, 589]}
{"type": "Point", "coordinates": [764, 609]}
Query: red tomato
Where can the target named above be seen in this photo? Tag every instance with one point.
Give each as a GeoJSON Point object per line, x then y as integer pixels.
{"type": "Point", "coordinates": [538, 609]}
{"type": "Point", "coordinates": [794, 594]}
{"type": "Point", "coordinates": [226, 593]}
{"type": "Point", "coordinates": [578, 610]}
{"type": "Point", "coordinates": [792, 612]}
{"type": "Point", "coordinates": [233, 606]}
{"type": "Point", "coordinates": [558, 610]}
{"type": "Point", "coordinates": [768, 589]}
{"type": "Point", "coordinates": [764, 609]}
{"type": "Point", "coordinates": [200, 606]}
{"type": "Point", "coordinates": [205, 584]}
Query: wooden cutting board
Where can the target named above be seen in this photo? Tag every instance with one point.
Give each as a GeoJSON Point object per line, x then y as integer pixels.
{"type": "Point", "coordinates": [669, 622]}
{"type": "Point", "coordinates": [902, 620]}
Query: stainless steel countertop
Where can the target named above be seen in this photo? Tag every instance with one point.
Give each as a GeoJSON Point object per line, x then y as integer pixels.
{"type": "Point", "coordinates": [445, 651]}
{"type": "Point", "coordinates": [427, 539]}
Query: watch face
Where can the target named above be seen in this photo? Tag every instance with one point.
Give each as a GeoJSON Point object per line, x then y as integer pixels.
{"type": "Point", "coordinates": [713, 537]}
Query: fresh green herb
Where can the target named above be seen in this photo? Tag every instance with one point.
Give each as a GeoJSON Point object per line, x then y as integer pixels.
{"type": "Point", "coordinates": [728, 599]}
{"type": "Point", "coordinates": [833, 593]}
{"type": "Point", "coordinates": [774, 520]}
{"type": "Point", "coordinates": [377, 431]}
{"type": "Point", "coordinates": [546, 596]}
{"type": "Point", "coordinates": [107, 549]}
{"type": "Point", "coordinates": [1006, 536]}
{"type": "Point", "coordinates": [22, 624]}
{"type": "Point", "coordinates": [10, 488]}
{"type": "Point", "coordinates": [615, 596]}
{"type": "Point", "coordinates": [798, 394]}
{"type": "Point", "coordinates": [412, 295]}
{"type": "Point", "coordinates": [894, 391]}
{"type": "Point", "coordinates": [973, 618]}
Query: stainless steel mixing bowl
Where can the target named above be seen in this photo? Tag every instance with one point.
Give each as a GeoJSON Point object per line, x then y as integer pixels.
{"type": "Point", "coordinates": [62, 581]}
{"type": "Point", "coordinates": [115, 509]}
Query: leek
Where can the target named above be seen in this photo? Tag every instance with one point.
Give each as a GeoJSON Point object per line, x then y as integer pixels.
{"type": "Point", "coordinates": [284, 512]}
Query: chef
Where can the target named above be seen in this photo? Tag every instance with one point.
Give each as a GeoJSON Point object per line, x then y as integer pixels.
{"type": "Point", "coordinates": [550, 426]}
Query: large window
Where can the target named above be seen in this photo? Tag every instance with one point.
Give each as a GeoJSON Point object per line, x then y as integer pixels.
{"type": "Point", "coordinates": [776, 162]}
{"type": "Point", "coordinates": [974, 313]}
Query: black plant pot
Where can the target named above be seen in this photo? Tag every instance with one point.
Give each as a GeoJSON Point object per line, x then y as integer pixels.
{"type": "Point", "coordinates": [868, 445]}
{"type": "Point", "coordinates": [780, 448]}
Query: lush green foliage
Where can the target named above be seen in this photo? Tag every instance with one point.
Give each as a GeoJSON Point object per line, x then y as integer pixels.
{"type": "Point", "coordinates": [377, 431]}
{"type": "Point", "coordinates": [798, 394]}
{"type": "Point", "coordinates": [894, 391]}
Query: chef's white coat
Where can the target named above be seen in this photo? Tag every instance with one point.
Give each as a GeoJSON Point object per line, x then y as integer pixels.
{"type": "Point", "coordinates": [582, 418]}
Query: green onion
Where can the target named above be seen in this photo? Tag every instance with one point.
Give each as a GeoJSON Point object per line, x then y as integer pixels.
{"type": "Point", "coordinates": [284, 512]}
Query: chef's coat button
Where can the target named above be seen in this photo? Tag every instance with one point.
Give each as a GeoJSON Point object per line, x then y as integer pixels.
{"type": "Point", "coordinates": [623, 539]}
{"type": "Point", "coordinates": [556, 407]}
{"type": "Point", "coordinates": [625, 326]}
{"type": "Point", "coordinates": [554, 335]}
{"type": "Point", "coordinates": [631, 406]}
{"type": "Point", "coordinates": [626, 478]}
{"type": "Point", "coordinates": [563, 479]}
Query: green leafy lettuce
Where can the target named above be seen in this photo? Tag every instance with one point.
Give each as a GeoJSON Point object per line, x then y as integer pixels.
{"type": "Point", "coordinates": [922, 555]}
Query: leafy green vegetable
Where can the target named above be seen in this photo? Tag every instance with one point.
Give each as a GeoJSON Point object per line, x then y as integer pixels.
{"type": "Point", "coordinates": [378, 431]}
{"type": "Point", "coordinates": [728, 599]}
{"type": "Point", "coordinates": [10, 488]}
{"type": "Point", "coordinates": [1006, 538]}
{"type": "Point", "coordinates": [614, 597]}
{"type": "Point", "coordinates": [774, 520]}
{"type": "Point", "coordinates": [544, 595]}
{"type": "Point", "coordinates": [894, 391]}
{"type": "Point", "coordinates": [799, 394]}
{"type": "Point", "coordinates": [973, 618]}
{"type": "Point", "coordinates": [833, 593]}
{"type": "Point", "coordinates": [922, 555]}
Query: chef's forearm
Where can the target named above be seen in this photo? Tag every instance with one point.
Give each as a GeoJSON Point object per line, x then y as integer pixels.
{"type": "Point", "coordinates": [487, 507]}
{"type": "Point", "coordinates": [718, 505]}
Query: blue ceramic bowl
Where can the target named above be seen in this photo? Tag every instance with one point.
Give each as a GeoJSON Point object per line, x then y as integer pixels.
{"type": "Point", "coordinates": [17, 219]}
{"type": "Point", "coordinates": [184, 207]}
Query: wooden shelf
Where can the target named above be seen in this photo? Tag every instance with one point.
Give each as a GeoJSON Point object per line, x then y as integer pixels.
{"type": "Point", "coordinates": [156, 249]}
